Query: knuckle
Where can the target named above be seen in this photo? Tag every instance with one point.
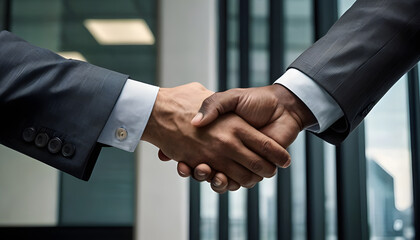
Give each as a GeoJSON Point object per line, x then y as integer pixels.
{"type": "Point", "coordinates": [267, 146]}
{"type": "Point", "coordinates": [223, 141]}
{"type": "Point", "coordinates": [238, 130]}
{"type": "Point", "coordinates": [236, 91]}
{"type": "Point", "coordinates": [210, 100]}
{"type": "Point", "coordinates": [213, 102]}
{"type": "Point", "coordinates": [197, 85]}
{"type": "Point", "coordinates": [255, 165]}
{"type": "Point", "coordinates": [207, 104]}
{"type": "Point", "coordinates": [226, 141]}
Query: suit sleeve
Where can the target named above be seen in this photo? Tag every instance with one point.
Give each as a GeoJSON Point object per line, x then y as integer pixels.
{"type": "Point", "coordinates": [54, 109]}
{"type": "Point", "coordinates": [360, 58]}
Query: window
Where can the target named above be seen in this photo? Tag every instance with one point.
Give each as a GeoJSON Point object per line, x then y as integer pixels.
{"type": "Point", "coordinates": [50, 198]}
{"type": "Point", "coordinates": [365, 183]}
{"type": "Point", "coordinates": [390, 197]}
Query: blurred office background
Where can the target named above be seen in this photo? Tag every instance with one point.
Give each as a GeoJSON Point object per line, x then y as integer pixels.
{"type": "Point", "coordinates": [366, 188]}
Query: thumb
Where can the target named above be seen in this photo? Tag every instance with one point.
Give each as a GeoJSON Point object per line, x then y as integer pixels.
{"type": "Point", "coordinates": [214, 106]}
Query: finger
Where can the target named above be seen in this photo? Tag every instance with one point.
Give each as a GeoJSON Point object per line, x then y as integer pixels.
{"type": "Point", "coordinates": [215, 105]}
{"type": "Point", "coordinates": [233, 186]}
{"type": "Point", "coordinates": [208, 171]}
{"type": "Point", "coordinates": [265, 147]}
{"type": "Point", "coordinates": [238, 173]}
{"type": "Point", "coordinates": [283, 131]}
{"type": "Point", "coordinates": [219, 183]}
{"type": "Point", "coordinates": [202, 172]}
{"type": "Point", "coordinates": [162, 156]}
{"type": "Point", "coordinates": [183, 169]}
{"type": "Point", "coordinates": [249, 159]}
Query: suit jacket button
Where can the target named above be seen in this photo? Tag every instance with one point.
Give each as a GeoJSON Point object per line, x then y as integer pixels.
{"type": "Point", "coordinates": [29, 134]}
{"type": "Point", "coordinates": [367, 109]}
{"type": "Point", "coordinates": [68, 150]}
{"type": "Point", "coordinates": [41, 140]}
{"type": "Point", "coordinates": [54, 145]}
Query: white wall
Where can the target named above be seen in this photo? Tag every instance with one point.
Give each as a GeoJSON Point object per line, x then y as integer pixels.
{"type": "Point", "coordinates": [28, 191]}
{"type": "Point", "coordinates": [186, 53]}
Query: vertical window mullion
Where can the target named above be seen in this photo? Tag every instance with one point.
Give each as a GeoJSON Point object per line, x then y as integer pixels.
{"type": "Point", "coordinates": [244, 43]}
{"type": "Point", "coordinates": [284, 204]}
{"type": "Point", "coordinates": [315, 188]}
{"type": "Point", "coordinates": [224, 216]}
{"type": "Point", "coordinates": [7, 21]}
{"type": "Point", "coordinates": [414, 108]}
{"type": "Point", "coordinates": [222, 65]}
{"type": "Point", "coordinates": [195, 220]}
{"type": "Point", "coordinates": [351, 187]}
{"type": "Point", "coordinates": [276, 37]}
{"type": "Point", "coordinates": [253, 216]}
{"type": "Point", "coordinates": [325, 15]}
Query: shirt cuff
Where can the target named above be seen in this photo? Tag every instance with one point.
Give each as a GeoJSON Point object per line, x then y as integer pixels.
{"type": "Point", "coordinates": [322, 105]}
{"type": "Point", "coordinates": [130, 115]}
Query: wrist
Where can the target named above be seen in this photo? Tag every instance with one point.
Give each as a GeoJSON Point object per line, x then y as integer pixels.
{"type": "Point", "coordinates": [151, 132]}
{"type": "Point", "coordinates": [298, 109]}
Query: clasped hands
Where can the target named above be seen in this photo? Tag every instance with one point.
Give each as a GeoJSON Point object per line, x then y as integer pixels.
{"type": "Point", "coordinates": [231, 139]}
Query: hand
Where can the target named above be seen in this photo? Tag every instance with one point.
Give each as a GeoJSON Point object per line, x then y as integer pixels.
{"type": "Point", "coordinates": [229, 144]}
{"type": "Point", "coordinates": [274, 110]}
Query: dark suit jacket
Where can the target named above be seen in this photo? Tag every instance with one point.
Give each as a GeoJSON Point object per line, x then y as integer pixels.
{"type": "Point", "coordinates": [54, 109]}
{"type": "Point", "coordinates": [369, 48]}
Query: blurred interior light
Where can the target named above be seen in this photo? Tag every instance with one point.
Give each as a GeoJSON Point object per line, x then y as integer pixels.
{"type": "Point", "coordinates": [73, 55]}
{"type": "Point", "coordinates": [120, 31]}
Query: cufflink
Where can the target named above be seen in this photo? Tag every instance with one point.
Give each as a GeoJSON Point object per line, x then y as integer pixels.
{"type": "Point", "coordinates": [121, 134]}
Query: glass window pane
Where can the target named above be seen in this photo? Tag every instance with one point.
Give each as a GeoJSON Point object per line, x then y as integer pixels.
{"type": "Point", "coordinates": [343, 5]}
{"type": "Point", "coordinates": [259, 67]}
{"type": "Point", "coordinates": [390, 197]}
{"type": "Point", "coordinates": [268, 209]}
{"type": "Point", "coordinates": [233, 44]}
{"type": "Point", "coordinates": [298, 28]}
{"type": "Point", "coordinates": [298, 168]}
{"type": "Point", "coordinates": [233, 67]}
{"type": "Point", "coordinates": [237, 215]}
{"type": "Point", "coordinates": [107, 199]}
{"type": "Point", "coordinates": [208, 213]}
{"type": "Point", "coordinates": [330, 192]}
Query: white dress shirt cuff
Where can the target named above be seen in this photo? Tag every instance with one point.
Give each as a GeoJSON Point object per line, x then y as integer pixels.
{"type": "Point", "coordinates": [130, 115]}
{"type": "Point", "coordinates": [322, 105]}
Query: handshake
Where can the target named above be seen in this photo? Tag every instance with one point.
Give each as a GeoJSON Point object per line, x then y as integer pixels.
{"type": "Point", "coordinates": [236, 138]}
